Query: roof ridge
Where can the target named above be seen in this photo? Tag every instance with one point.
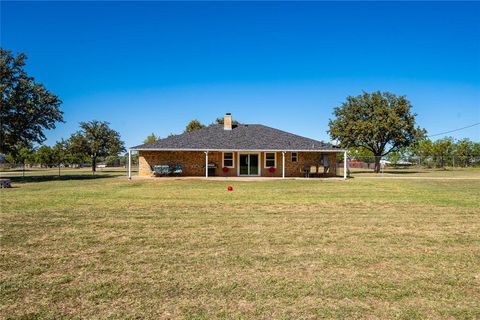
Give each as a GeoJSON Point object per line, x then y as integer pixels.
{"type": "Point", "coordinates": [242, 137]}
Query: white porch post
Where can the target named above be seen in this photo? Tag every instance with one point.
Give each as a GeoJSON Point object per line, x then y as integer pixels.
{"type": "Point", "coordinates": [345, 165]}
{"type": "Point", "coordinates": [206, 164]}
{"type": "Point", "coordinates": [283, 164]}
{"type": "Point", "coordinates": [129, 164]}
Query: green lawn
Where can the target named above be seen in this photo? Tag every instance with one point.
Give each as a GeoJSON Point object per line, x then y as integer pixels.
{"type": "Point", "coordinates": [363, 248]}
{"type": "Point", "coordinates": [422, 172]}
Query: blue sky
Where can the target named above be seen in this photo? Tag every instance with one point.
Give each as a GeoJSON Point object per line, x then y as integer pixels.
{"type": "Point", "coordinates": [153, 66]}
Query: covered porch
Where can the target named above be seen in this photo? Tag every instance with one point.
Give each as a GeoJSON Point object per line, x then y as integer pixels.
{"type": "Point", "coordinates": [241, 163]}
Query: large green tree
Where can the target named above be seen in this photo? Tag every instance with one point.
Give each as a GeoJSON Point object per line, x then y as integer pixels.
{"type": "Point", "coordinates": [423, 148]}
{"type": "Point", "coordinates": [60, 154]}
{"type": "Point", "coordinates": [380, 122]}
{"type": "Point", "coordinates": [26, 155]}
{"type": "Point", "coordinates": [442, 150]}
{"type": "Point", "coordinates": [193, 125]}
{"type": "Point", "coordinates": [151, 138]}
{"type": "Point", "coordinates": [44, 156]}
{"type": "Point", "coordinates": [476, 149]}
{"type": "Point", "coordinates": [27, 108]}
{"type": "Point", "coordinates": [96, 139]}
{"type": "Point", "coordinates": [464, 150]}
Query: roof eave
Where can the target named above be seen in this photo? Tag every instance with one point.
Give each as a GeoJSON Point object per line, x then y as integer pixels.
{"type": "Point", "coordinates": [237, 150]}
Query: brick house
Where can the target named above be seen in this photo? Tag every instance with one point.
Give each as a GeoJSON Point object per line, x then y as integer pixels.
{"type": "Point", "coordinates": [239, 150]}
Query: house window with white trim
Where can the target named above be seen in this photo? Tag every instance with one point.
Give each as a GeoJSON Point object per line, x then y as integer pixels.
{"type": "Point", "coordinates": [228, 159]}
{"type": "Point", "coordinates": [270, 158]}
{"type": "Point", "coordinates": [294, 157]}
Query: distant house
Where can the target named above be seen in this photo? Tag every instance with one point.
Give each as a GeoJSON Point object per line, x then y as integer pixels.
{"type": "Point", "coordinates": [357, 164]}
{"type": "Point", "coordinates": [403, 163]}
{"type": "Point", "coordinates": [238, 150]}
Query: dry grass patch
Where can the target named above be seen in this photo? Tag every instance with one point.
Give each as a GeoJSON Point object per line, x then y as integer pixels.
{"type": "Point", "coordinates": [111, 248]}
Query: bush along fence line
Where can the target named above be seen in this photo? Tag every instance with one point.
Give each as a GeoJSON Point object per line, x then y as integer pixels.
{"type": "Point", "coordinates": [366, 164]}
{"type": "Point", "coordinates": [429, 162]}
{"type": "Point", "coordinates": [20, 170]}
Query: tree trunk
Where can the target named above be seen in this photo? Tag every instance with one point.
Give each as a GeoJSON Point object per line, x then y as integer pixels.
{"type": "Point", "coordinates": [377, 164]}
{"type": "Point", "coordinates": [94, 164]}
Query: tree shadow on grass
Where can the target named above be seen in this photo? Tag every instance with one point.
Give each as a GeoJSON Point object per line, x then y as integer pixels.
{"type": "Point", "coordinates": [387, 172]}
{"type": "Point", "coordinates": [58, 178]}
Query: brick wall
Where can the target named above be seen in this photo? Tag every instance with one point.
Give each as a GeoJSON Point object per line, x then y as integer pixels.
{"type": "Point", "coordinates": [217, 158]}
{"type": "Point", "coordinates": [193, 162]}
{"type": "Point", "coordinates": [295, 169]}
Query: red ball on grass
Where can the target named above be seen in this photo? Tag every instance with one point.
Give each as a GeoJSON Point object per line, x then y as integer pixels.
{"type": "Point", "coordinates": [230, 188]}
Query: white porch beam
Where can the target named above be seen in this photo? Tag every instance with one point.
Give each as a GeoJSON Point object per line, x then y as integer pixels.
{"type": "Point", "coordinates": [283, 164]}
{"type": "Point", "coordinates": [345, 165]}
{"type": "Point", "coordinates": [206, 164]}
{"type": "Point", "coordinates": [129, 164]}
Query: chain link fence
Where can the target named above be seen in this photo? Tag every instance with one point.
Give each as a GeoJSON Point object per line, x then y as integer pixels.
{"type": "Point", "coordinates": [413, 166]}
{"type": "Point", "coordinates": [430, 166]}
{"type": "Point", "coordinates": [34, 172]}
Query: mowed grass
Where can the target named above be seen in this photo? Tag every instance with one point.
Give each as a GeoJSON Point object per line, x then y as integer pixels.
{"type": "Point", "coordinates": [419, 172]}
{"type": "Point", "coordinates": [362, 248]}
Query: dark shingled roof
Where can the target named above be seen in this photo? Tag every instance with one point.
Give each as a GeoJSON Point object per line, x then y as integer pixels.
{"type": "Point", "coordinates": [252, 137]}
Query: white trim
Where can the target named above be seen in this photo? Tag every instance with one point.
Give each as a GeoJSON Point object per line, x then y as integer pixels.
{"type": "Point", "coordinates": [259, 166]}
{"type": "Point", "coordinates": [129, 163]}
{"type": "Point", "coordinates": [233, 160]}
{"type": "Point", "coordinates": [206, 164]}
{"type": "Point", "coordinates": [240, 150]}
{"type": "Point", "coordinates": [345, 165]}
{"type": "Point", "coordinates": [265, 159]}
{"type": "Point", "coordinates": [283, 164]}
{"type": "Point", "coordinates": [296, 156]}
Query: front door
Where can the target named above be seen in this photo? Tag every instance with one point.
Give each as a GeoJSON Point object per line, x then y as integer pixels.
{"type": "Point", "coordinates": [249, 165]}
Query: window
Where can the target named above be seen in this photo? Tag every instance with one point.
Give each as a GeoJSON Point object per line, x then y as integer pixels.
{"type": "Point", "coordinates": [294, 157]}
{"type": "Point", "coordinates": [228, 159]}
{"type": "Point", "coordinates": [270, 160]}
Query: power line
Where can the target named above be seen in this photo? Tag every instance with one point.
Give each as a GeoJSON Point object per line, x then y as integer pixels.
{"type": "Point", "coordinates": [439, 134]}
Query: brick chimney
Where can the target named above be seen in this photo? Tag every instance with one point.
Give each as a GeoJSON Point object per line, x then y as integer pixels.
{"type": "Point", "coordinates": [227, 121]}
